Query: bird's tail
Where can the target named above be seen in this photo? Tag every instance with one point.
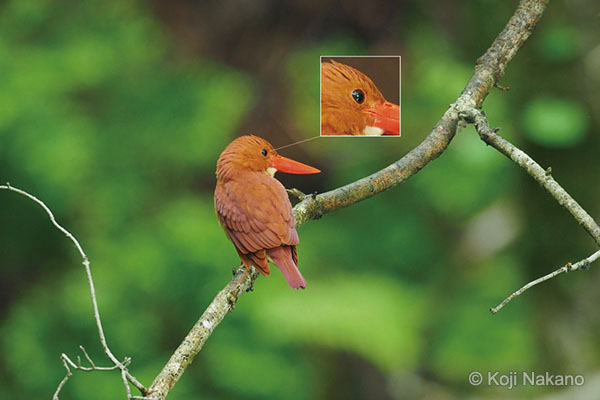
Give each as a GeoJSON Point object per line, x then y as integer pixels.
{"type": "Point", "coordinates": [283, 258]}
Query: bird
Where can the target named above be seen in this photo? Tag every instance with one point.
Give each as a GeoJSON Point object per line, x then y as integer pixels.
{"type": "Point", "coordinates": [254, 209]}
{"type": "Point", "coordinates": [351, 104]}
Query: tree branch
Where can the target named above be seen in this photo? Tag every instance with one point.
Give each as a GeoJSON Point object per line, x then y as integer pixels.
{"type": "Point", "coordinates": [582, 264]}
{"type": "Point", "coordinates": [488, 69]}
{"type": "Point", "coordinates": [541, 176]}
{"type": "Point", "coordinates": [223, 303]}
{"type": "Point", "coordinates": [86, 263]}
{"type": "Point", "coordinates": [545, 179]}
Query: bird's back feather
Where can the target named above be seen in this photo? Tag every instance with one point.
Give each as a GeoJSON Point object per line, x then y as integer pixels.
{"type": "Point", "coordinates": [255, 212]}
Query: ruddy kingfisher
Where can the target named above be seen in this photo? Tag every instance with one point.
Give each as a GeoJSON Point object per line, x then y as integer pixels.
{"type": "Point", "coordinates": [351, 104]}
{"type": "Point", "coordinates": [253, 207]}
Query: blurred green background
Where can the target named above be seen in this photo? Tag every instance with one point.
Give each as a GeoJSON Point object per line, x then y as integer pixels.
{"type": "Point", "coordinates": [115, 112]}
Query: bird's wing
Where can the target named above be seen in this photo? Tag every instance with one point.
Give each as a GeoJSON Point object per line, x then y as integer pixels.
{"type": "Point", "coordinates": [255, 212]}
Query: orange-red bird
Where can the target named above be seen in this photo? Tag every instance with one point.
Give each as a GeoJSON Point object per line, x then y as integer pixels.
{"type": "Point", "coordinates": [254, 209]}
{"type": "Point", "coordinates": [351, 104]}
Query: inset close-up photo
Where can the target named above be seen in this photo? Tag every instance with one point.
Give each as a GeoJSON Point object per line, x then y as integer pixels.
{"type": "Point", "coordinates": [360, 96]}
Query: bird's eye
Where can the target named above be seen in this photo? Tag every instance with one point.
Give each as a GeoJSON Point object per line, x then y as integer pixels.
{"type": "Point", "coordinates": [358, 96]}
{"type": "Point", "coordinates": [263, 152]}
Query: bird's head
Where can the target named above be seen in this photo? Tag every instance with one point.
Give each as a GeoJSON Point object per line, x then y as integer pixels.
{"type": "Point", "coordinates": [351, 104]}
{"type": "Point", "coordinates": [255, 154]}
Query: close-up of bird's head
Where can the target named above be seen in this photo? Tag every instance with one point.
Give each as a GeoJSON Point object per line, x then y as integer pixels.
{"type": "Point", "coordinates": [351, 104]}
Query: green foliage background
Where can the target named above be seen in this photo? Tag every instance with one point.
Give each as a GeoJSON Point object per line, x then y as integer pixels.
{"type": "Point", "coordinates": [115, 118]}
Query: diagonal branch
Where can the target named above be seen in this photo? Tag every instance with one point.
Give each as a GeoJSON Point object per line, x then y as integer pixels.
{"type": "Point", "coordinates": [541, 176]}
{"type": "Point", "coordinates": [489, 68]}
{"type": "Point", "coordinates": [223, 303]}
{"type": "Point", "coordinates": [545, 179]}
{"type": "Point", "coordinates": [582, 264]}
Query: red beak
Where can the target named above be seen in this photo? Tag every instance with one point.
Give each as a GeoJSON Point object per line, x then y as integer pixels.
{"type": "Point", "coordinates": [284, 164]}
{"type": "Point", "coordinates": [387, 117]}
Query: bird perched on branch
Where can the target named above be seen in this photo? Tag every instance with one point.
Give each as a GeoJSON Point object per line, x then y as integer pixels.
{"type": "Point", "coordinates": [351, 104]}
{"type": "Point", "coordinates": [254, 209]}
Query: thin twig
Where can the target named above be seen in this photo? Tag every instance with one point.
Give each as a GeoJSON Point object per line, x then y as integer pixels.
{"type": "Point", "coordinates": [87, 357]}
{"type": "Point", "coordinates": [582, 264]}
{"type": "Point", "coordinates": [126, 383]}
{"type": "Point", "coordinates": [69, 364]}
{"type": "Point", "coordinates": [86, 264]}
{"type": "Point", "coordinates": [541, 175]}
{"type": "Point", "coordinates": [545, 179]}
{"type": "Point", "coordinates": [64, 380]}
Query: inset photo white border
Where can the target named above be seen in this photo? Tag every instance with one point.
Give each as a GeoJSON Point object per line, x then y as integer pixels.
{"type": "Point", "coordinates": [363, 95]}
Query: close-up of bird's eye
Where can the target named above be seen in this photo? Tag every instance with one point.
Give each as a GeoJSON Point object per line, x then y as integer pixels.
{"type": "Point", "coordinates": [370, 112]}
{"type": "Point", "coordinates": [358, 96]}
{"type": "Point", "coordinates": [263, 152]}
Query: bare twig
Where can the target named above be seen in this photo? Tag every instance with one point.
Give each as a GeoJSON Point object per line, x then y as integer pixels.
{"type": "Point", "coordinates": [68, 364]}
{"type": "Point", "coordinates": [541, 175]}
{"type": "Point", "coordinates": [582, 264]}
{"type": "Point", "coordinates": [64, 380]}
{"type": "Point", "coordinates": [489, 68]}
{"type": "Point", "coordinates": [545, 179]}
{"type": "Point", "coordinates": [86, 263]}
